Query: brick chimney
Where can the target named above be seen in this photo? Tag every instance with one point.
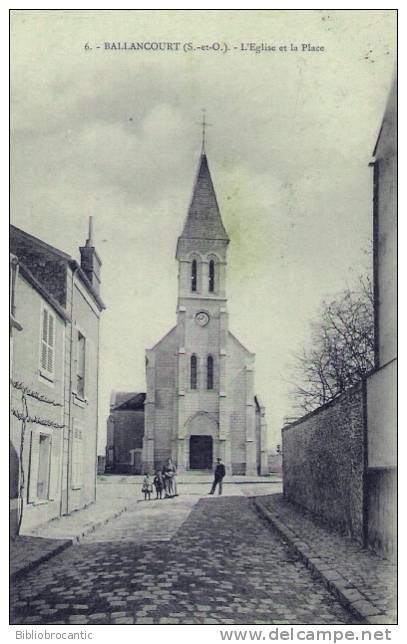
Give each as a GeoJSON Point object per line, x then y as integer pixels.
{"type": "Point", "coordinates": [90, 261]}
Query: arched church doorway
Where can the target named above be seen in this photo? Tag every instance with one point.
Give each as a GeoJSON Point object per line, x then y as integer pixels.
{"type": "Point", "coordinates": [200, 452]}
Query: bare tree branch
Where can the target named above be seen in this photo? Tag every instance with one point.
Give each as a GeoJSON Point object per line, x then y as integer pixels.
{"type": "Point", "coordinates": [342, 348]}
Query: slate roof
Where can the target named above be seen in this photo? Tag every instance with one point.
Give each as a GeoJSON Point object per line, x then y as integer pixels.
{"type": "Point", "coordinates": [26, 273]}
{"type": "Point", "coordinates": [131, 401]}
{"type": "Point", "coordinates": [32, 251]}
{"type": "Point", "coordinates": [204, 220]}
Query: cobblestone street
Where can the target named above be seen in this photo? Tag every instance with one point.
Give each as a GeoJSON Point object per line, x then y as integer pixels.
{"type": "Point", "coordinates": [188, 560]}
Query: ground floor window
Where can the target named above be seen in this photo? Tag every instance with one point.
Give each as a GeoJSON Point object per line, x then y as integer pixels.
{"type": "Point", "coordinates": [44, 458]}
{"type": "Point", "coordinates": [43, 471]}
{"type": "Point", "coordinates": [77, 456]}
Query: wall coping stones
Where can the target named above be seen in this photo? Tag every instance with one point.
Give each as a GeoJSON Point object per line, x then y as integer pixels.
{"type": "Point", "coordinates": [354, 599]}
{"type": "Point", "coordinates": [331, 403]}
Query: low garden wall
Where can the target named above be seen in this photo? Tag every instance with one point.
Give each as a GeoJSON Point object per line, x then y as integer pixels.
{"type": "Point", "coordinates": [324, 461]}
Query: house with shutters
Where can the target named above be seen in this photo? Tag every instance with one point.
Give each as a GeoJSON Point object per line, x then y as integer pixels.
{"type": "Point", "coordinates": [55, 309]}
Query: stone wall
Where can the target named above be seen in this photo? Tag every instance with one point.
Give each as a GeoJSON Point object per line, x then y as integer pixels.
{"type": "Point", "coordinates": [324, 462]}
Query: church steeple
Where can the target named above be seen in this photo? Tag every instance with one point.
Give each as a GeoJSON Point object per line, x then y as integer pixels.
{"type": "Point", "coordinates": [202, 245]}
{"type": "Point", "coordinates": [200, 399]}
{"type": "Point", "coordinates": [204, 220]}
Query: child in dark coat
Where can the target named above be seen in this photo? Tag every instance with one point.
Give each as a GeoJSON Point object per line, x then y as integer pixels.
{"type": "Point", "coordinates": [158, 484]}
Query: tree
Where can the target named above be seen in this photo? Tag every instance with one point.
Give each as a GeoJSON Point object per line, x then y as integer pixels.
{"type": "Point", "coordinates": [342, 349]}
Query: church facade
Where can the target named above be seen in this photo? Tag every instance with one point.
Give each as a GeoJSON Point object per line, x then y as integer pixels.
{"type": "Point", "coordinates": [200, 402]}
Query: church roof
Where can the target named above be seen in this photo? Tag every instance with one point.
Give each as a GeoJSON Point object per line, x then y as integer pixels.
{"type": "Point", "coordinates": [123, 400]}
{"type": "Point", "coordinates": [234, 338]}
{"type": "Point", "coordinates": [204, 220]}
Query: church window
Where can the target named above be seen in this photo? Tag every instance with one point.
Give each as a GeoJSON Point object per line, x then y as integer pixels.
{"type": "Point", "coordinates": [194, 273]}
{"type": "Point", "coordinates": [209, 373]}
{"type": "Point", "coordinates": [211, 276]}
{"type": "Point", "coordinates": [194, 372]}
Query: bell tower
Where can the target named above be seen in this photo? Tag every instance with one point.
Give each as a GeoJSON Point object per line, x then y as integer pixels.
{"type": "Point", "coordinates": [201, 421]}
{"type": "Point", "coordinates": [200, 402]}
{"type": "Point", "coordinates": [202, 234]}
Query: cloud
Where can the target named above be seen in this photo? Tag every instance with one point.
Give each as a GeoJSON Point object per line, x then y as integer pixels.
{"type": "Point", "coordinates": [118, 136]}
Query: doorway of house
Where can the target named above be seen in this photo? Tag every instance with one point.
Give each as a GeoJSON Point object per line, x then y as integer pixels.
{"type": "Point", "coordinates": [200, 453]}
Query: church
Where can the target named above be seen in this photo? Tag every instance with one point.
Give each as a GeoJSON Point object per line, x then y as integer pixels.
{"type": "Point", "coordinates": [200, 402]}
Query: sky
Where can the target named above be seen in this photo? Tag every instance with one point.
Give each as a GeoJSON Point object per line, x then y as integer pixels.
{"type": "Point", "coordinates": [116, 134]}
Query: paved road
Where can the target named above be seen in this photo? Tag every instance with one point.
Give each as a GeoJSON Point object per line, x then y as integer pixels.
{"type": "Point", "coordinates": [181, 561]}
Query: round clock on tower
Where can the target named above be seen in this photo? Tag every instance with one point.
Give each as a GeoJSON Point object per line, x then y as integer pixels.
{"type": "Point", "coordinates": [202, 318]}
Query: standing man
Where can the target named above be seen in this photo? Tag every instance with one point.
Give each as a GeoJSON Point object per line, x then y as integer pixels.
{"type": "Point", "coordinates": [219, 476]}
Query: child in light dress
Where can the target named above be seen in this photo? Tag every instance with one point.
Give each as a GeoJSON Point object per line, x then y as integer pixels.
{"type": "Point", "coordinates": [147, 487]}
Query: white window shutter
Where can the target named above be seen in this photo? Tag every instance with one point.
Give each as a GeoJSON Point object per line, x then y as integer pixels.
{"type": "Point", "coordinates": [45, 325]}
{"type": "Point", "coordinates": [31, 476]}
{"type": "Point", "coordinates": [80, 458]}
{"type": "Point", "coordinates": [43, 355]}
{"type": "Point", "coordinates": [44, 339]}
{"type": "Point", "coordinates": [51, 330]}
{"type": "Point", "coordinates": [87, 370]}
{"type": "Point", "coordinates": [47, 341]}
{"type": "Point", "coordinates": [74, 474]}
{"type": "Point", "coordinates": [80, 463]}
{"type": "Point", "coordinates": [55, 466]}
{"type": "Point", "coordinates": [77, 449]}
{"type": "Point", "coordinates": [50, 362]}
{"type": "Point", "coordinates": [74, 452]}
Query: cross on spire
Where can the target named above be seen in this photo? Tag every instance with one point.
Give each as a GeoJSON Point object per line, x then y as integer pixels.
{"type": "Point", "coordinates": [204, 125]}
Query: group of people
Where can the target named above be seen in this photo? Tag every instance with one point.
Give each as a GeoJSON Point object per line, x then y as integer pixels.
{"type": "Point", "coordinates": [165, 480]}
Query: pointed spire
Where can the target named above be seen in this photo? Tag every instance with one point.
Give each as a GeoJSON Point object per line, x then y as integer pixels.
{"type": "Point", "coordinates": [204, 124]}
{"type": "Point", "coordinates": [204, 220]}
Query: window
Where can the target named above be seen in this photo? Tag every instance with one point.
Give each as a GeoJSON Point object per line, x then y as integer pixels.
{"type": "Point", "coordinates": [209, 373]}
{"type": "Point", "coordinates": [44, 453]}
{"type": "Point", "coordinates": [47, 343]}
{"type": "Point", "coordinates": [77, 456]}
{"type": "Point", "coordinates": [194, 372]}
{"type": "Point", "coordinates": [194, 275]}
{"type": "Point", "coordinates": [80, 365]}
{"type": "Point", "coordinates": [211, 276]}
{"type": "Point", "coordinates": [44, 471]}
